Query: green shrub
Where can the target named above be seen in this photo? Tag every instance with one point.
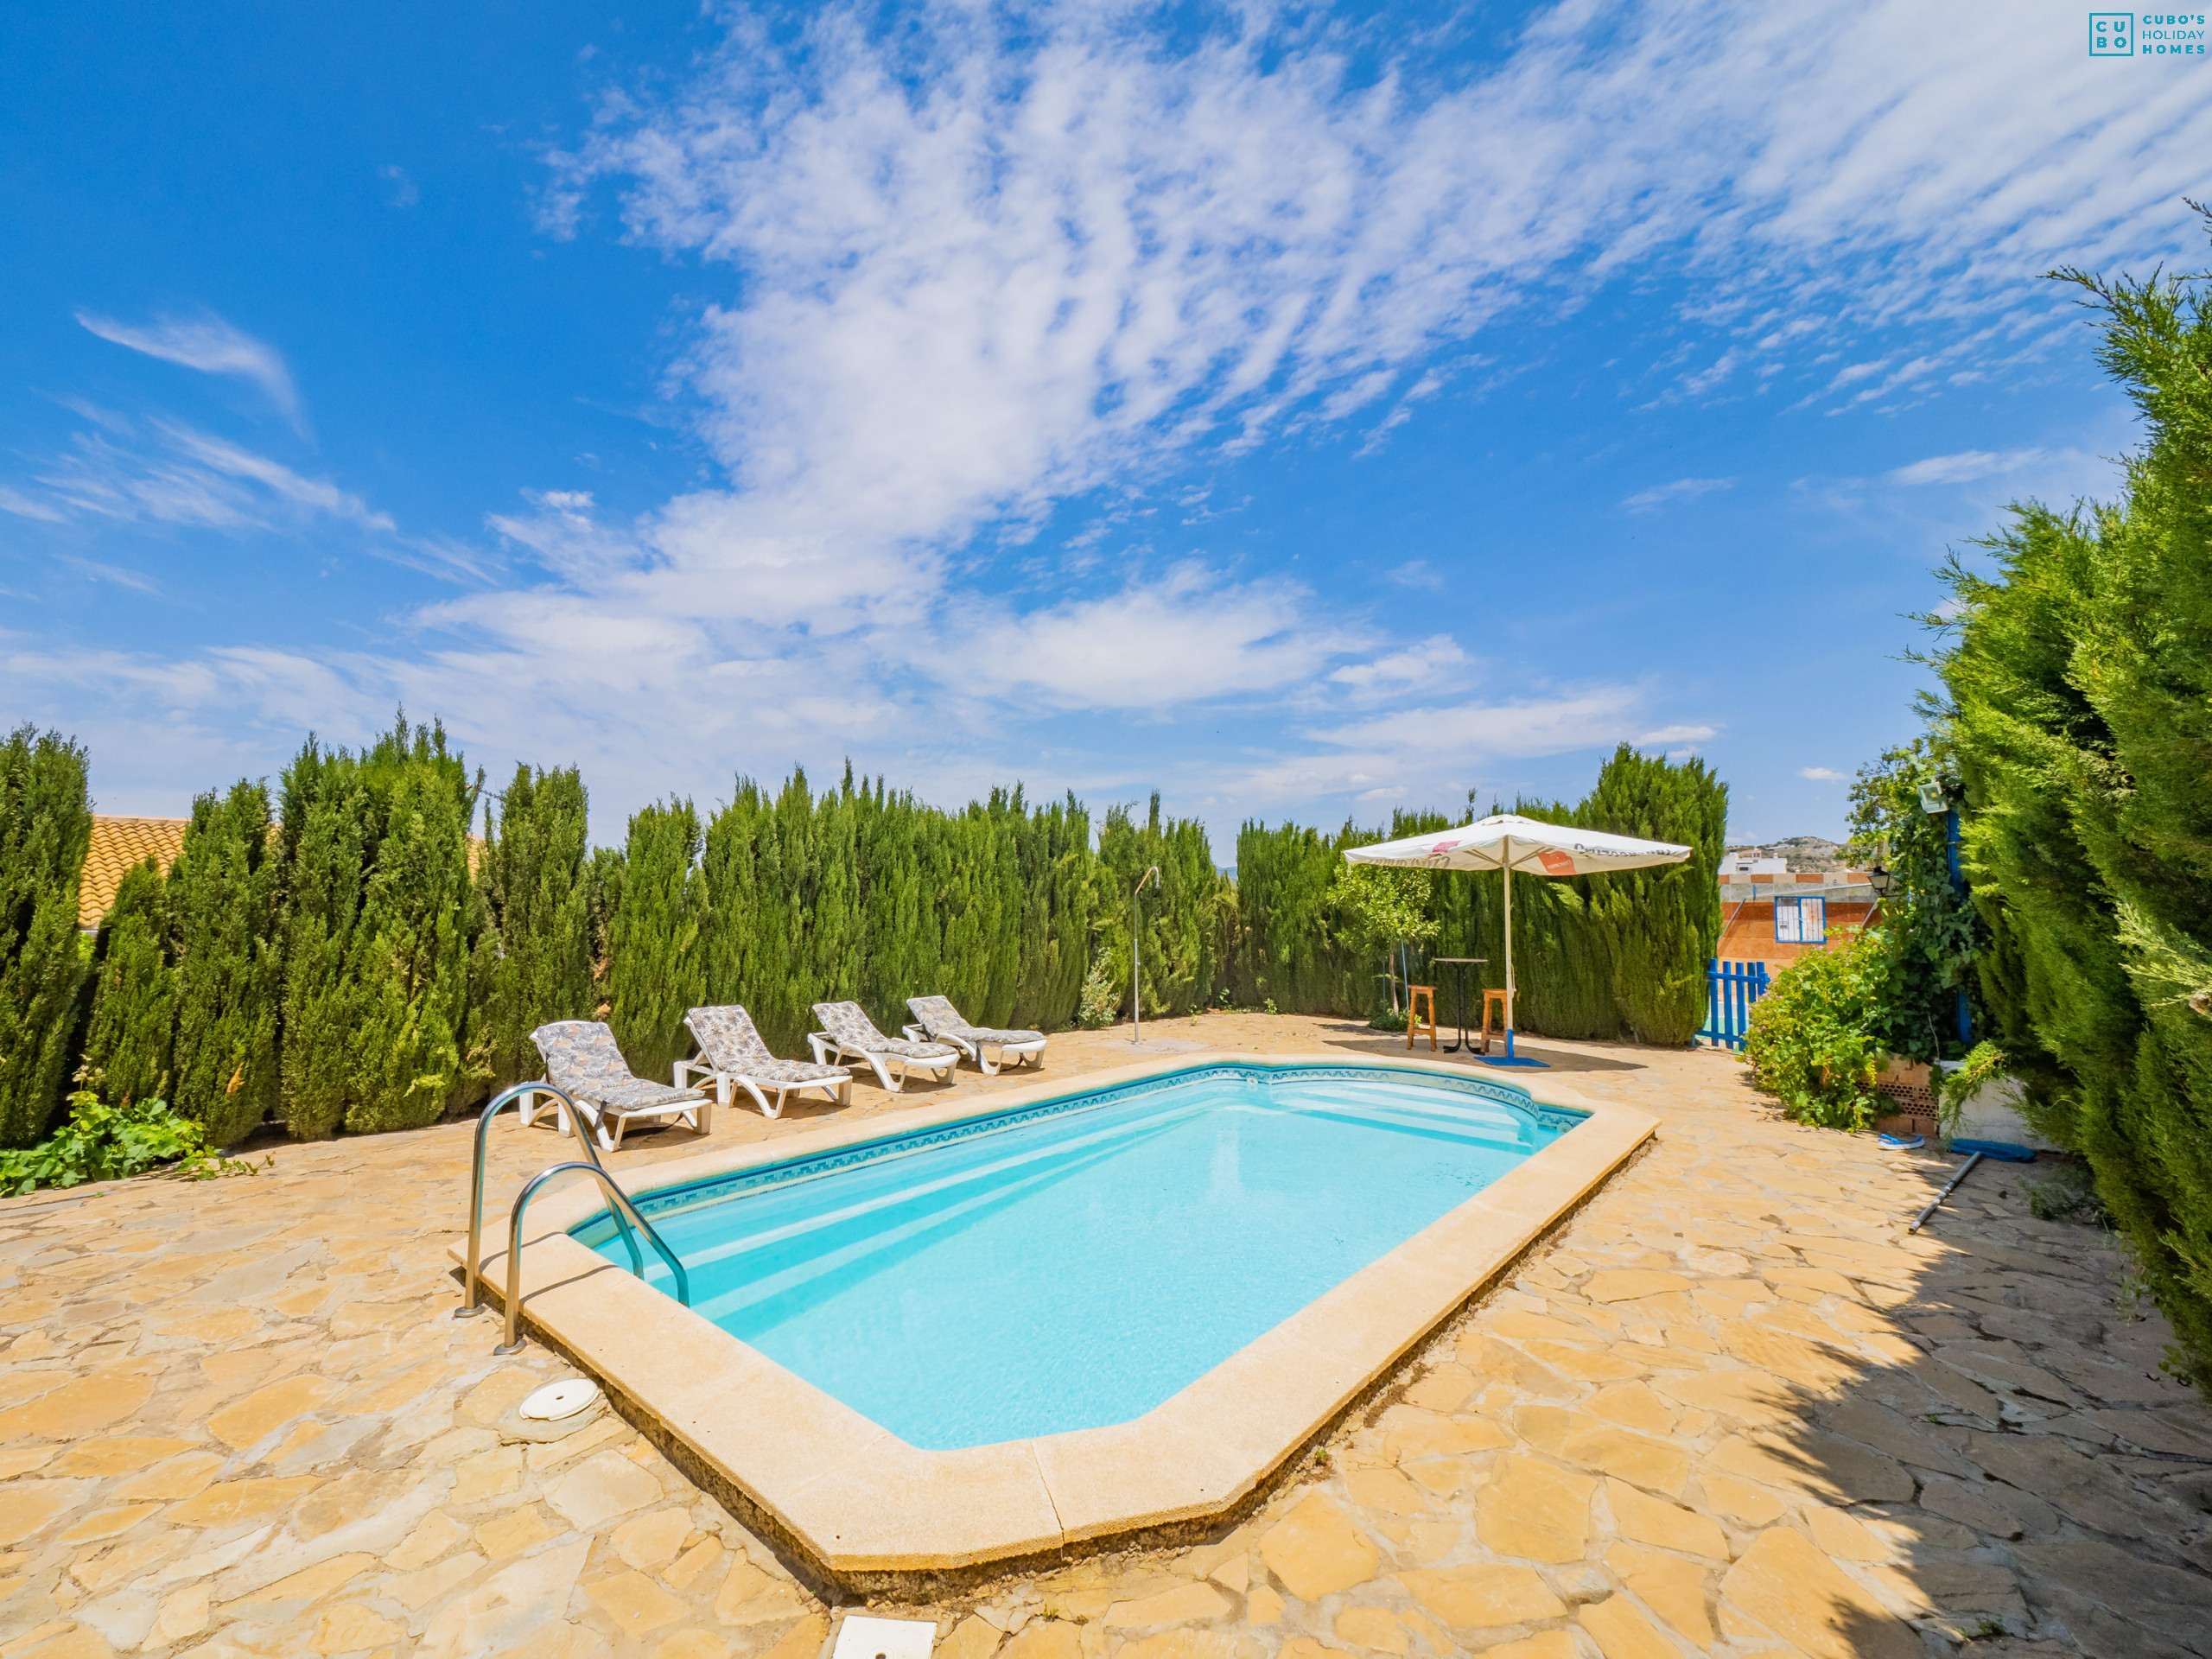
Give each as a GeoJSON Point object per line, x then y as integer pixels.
{"type": "Point", "coordinates": [1808, 1044]}
{"type": "Point", "coordinates": [100, 1142]}
{"type": "Point", "coordinates": [1101, 995]}
{"type": "Point", "coordinates": [46, 825]}
{"type": "Point", "coordinates": [132, 1037]}
{"type": "Point", "coordinates": [1930, 931]}
{"type": "Point", "coordinates": [222, 903]}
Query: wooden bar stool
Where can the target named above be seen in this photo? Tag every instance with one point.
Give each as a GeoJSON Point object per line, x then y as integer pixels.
{"type": "Point", "coordinates": [1415, 995]}
{"type": "Point", "coordinates": [1491, 996]}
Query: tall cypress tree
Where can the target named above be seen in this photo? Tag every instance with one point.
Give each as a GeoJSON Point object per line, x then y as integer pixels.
{"type": "Point", "coordinates": [380, 922]}
{"type": "Point", "coordinates": [2080, 675]}
{"type": "Point", "coordinates": [654, 938]}
{"type": "Point", "coordinates": [46, 827]}
{"type": "Point", "coordinates": [408, 959]}
{"type": "Point", "coordinates": [1663, 922]}
{"type": "Point", "coordinates": [534, 962]}
{"type": "Point", "coordinates": [222, 898]}
{"type": "Point", "coordinates": [327, 828]}
{"type": "Point", "coordinates": [132, 1037]}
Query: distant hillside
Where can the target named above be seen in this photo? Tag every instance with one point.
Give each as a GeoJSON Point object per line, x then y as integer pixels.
{"type": "Point", "coordinates": [1803, 852]}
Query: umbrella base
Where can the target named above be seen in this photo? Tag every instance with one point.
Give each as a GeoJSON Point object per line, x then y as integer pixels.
{"type": "Point", "coordinates": [1509, 1057]}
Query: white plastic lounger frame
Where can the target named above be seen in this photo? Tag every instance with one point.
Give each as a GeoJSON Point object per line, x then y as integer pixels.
{"type": "Point", "coordinates": [731, 1053]}
{"type": "Point", "coordinates": [941, 1022]}
{"type": "Point", "coordinates": [849, 1034]}
{"type": "Point", "coordinates": [581, 1058]}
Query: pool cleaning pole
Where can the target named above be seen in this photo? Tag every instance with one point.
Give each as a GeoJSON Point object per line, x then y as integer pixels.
{"type": "Point", "coordinates": [1136, 979]}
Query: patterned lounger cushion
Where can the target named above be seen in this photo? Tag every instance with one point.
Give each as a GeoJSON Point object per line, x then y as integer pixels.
{"type": "Point", "coordinates": [850, 1026]}
{"type": "Point", "coordinates": [729, 1041]}
{"type": "Point", "coordinates": [938, 1017]}
{"type": "Point", "coordinates": [580, 1057]}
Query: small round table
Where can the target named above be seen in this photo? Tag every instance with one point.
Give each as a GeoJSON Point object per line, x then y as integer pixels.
{"type": "Point", "coordinates": [1458, 966]}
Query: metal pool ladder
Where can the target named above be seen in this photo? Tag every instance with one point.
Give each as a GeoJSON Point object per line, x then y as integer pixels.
{"type": "Point", "coordinates": [625, 1214]}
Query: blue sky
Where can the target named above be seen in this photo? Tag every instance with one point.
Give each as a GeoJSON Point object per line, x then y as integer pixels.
{"type": "Point", "coordinates": [1300, 412]}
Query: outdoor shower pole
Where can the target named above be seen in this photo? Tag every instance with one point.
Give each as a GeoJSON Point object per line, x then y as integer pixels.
{"type": "Point", "coordinates": [1136, 981]}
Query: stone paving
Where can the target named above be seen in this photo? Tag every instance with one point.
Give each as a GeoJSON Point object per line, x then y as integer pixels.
{"type": "Point", "coordinates": [1729, 1408]}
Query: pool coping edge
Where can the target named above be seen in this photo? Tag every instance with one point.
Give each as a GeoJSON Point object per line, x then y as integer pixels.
{"type": "Point", "coordinates": [862, 1504]}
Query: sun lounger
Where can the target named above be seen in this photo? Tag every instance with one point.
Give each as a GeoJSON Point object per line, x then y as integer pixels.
{"type": "Point", "coordinates": [938, 1019]}
{"type": "Point", "coordinates": [731, 1053]}
{"type": "Point", "coordinates": [848, 1034]}
{"type": "Point", "coordinates": [580, 1057]}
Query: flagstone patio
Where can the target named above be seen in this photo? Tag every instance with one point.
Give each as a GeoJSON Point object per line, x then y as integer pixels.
{"type": "Point", "coordinates": [1729, 1408]}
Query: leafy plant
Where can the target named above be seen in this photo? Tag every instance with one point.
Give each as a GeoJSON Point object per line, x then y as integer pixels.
{"type": "Point", "coordinates": [100, 1142]}
{"type": "Point", "coordinates": [1810, 1045]}
{"type": "Point", "coordinates": [1985, 1063]}
{"type": "Point", "coordinates": [1931, 932]}
{"type": "Point", "coordinates": [1101, 997]}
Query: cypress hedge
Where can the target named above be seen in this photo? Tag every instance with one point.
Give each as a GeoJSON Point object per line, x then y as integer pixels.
{"type": "Point", "coordinates": [1292, 947]}
{"type": "Point", "coordinates": [869, 895]}
{"type": "Point", "coordinates": [2080, 682]}
{"type": "Point", "coordinates": [46, 826]}
{"type": "Point", "coordinates": [1594, 956]}
{"type": "Point", "coordinates": [534, 961]}
{"type": "Point", "coordinates": [131, 1041]}
{"type": "Point", "coordinates": [1189, 920]}
{"type": "Point", "coordinates": [222, 901]}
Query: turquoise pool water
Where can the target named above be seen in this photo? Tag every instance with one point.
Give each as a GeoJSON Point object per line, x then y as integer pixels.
{"type": "Point", "coordinates": [1072, 1265]}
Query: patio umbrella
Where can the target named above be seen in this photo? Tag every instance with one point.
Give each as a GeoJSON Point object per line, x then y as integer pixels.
{"type": "Point", "coordinates": [1508, 842]}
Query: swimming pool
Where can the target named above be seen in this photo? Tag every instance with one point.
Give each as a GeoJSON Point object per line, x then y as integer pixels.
{"type": "Point", "coordinates": [1072, 1264]}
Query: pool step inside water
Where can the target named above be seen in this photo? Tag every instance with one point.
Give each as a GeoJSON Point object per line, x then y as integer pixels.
{"type": "Point", "coordinates": [1076, 1270]}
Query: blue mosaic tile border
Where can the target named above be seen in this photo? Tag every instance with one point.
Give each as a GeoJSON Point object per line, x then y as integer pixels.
{"type": "Point", "coordinates": [1557, 1119]}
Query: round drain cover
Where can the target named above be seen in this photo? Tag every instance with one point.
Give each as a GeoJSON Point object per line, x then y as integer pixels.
{"type": "Point", "coordinates": [558, 1400]}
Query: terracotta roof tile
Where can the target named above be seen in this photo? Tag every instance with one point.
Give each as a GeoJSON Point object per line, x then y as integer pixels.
{"type": "Point", "coordinates": [117, 844]}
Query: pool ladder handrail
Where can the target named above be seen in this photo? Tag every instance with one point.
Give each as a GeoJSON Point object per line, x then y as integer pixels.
{"type": "Point", "coordinates": [625, 1214]}
{"type": "Point", "coordinates": [471, 1280]}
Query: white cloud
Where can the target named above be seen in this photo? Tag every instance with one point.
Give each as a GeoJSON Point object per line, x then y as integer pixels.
{"type": "Point", "coordinates": [1821, 774]}
{"type": "Point", "coordinates": [209, 345]}
{"type": "Point", "coordinates": [191, 480]}
{"type": "Point", "coordinates": [1395, 672]}
{"type": "Point", "coordinates": [24, 507]}
{"type": "Point", "coordinates": [399, 190]}
{"type": "Point", "coordinates": [1968, 466]}
{"type": "Point", "coordinates": [1184, 639]}
{"type": "Point", "coordinates": [1667, 735]}
{"type": "Point", "coordinates": [1683, 489]}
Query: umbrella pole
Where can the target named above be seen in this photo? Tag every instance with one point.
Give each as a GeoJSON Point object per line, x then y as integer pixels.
{"type": "Point", "coordinates": [1505, 875]}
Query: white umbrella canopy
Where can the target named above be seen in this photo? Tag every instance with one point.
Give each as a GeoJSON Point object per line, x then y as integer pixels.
{"type": "Point", "coordinates": [1508, 842]}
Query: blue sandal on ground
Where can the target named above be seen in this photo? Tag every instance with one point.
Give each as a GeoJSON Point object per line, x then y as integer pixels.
{"type": "Point", "coordinates": [1903, 1142]}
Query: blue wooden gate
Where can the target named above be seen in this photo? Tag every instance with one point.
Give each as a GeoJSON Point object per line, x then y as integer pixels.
{"type": "Point", "coordinates": [1730, 988]}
